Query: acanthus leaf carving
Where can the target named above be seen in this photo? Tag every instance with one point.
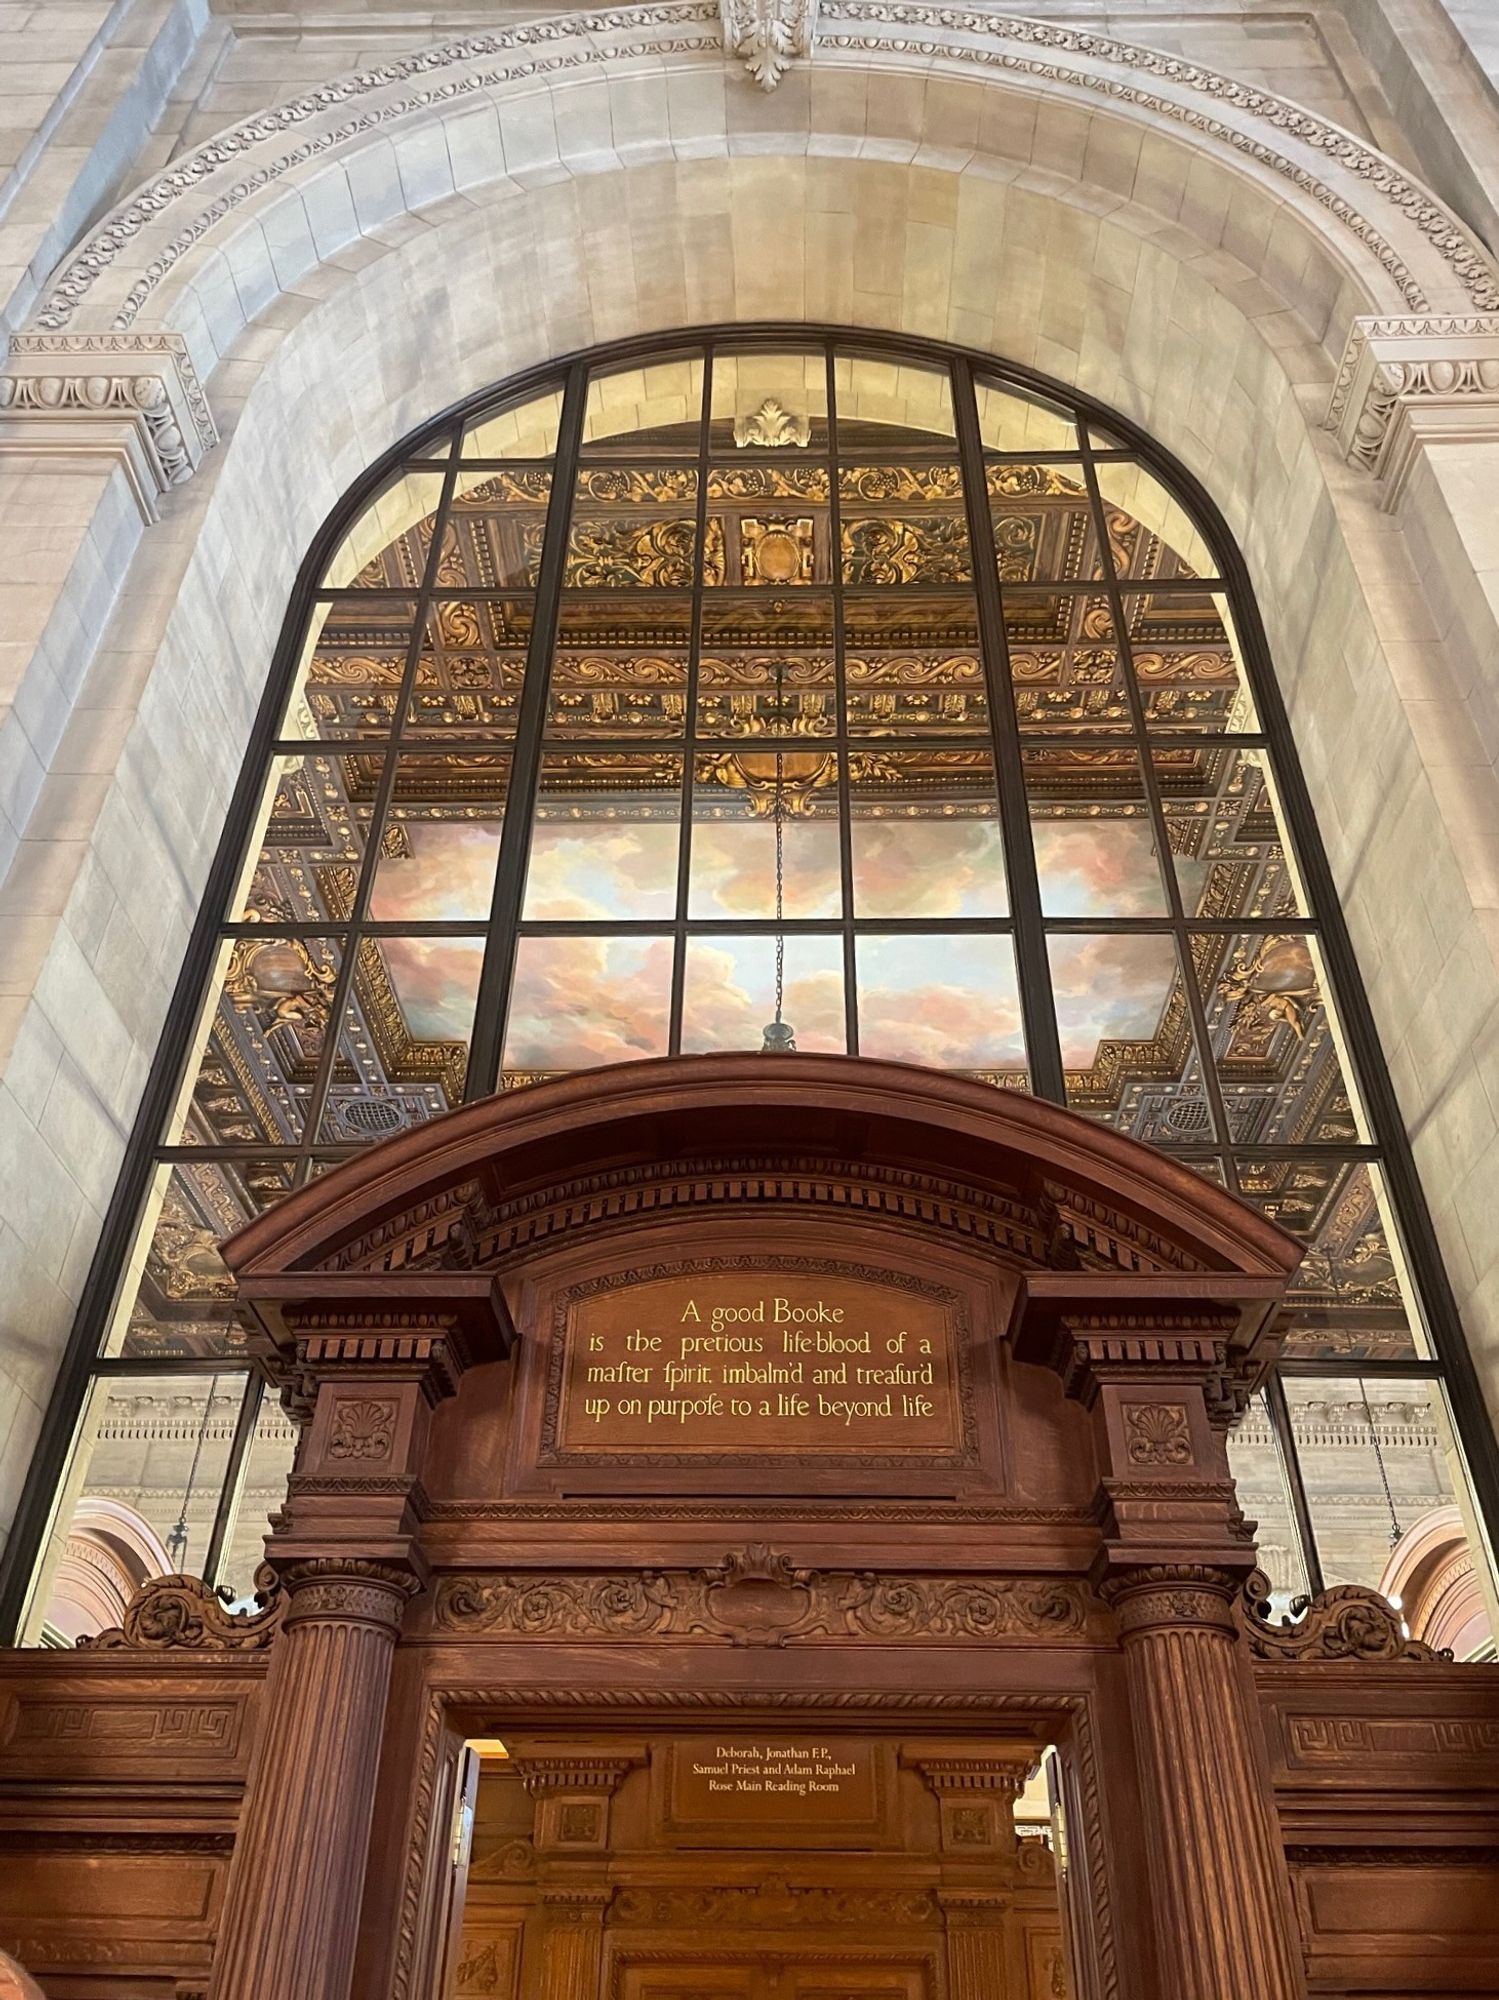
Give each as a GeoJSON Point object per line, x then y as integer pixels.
{"type": "Point", "coordinates": [171, 1613]}
{"type": "Point", "coordinates": [759, 1597]}
{"type": "Point", "coordinates": [1347, 1622]}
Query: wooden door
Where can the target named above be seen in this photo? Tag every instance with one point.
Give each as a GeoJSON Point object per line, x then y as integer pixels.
{"type": "Point", "coordinates": [774, 1977]}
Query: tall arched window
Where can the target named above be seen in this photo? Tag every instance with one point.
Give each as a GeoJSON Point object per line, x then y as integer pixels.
{"type": "Point", "coordinates": [771, 690]}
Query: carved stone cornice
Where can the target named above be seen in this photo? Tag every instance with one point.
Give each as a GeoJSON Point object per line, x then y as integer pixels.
{"type": "Point", "coordinates": [1414, 380]}
{"type": "Point", "coordinates": [768, 35]}
{"type": "Point", "coordinates": [183, 1613]}
{"type": "Point", "coordinates": [1344, 1623]}
{"type": "Point", "coordinates": [134, 397]}
{"type": "Point", "coordinates": [758, 1597]}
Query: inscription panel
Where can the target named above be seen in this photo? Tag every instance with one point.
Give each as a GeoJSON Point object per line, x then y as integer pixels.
{"type": "Point", "coordinates": [753, 1359]}
{"type": "Point", "coordinates": [772, 1790]}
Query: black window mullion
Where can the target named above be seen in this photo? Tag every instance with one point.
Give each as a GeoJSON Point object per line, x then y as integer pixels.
{"type": "Point", "coordinates": [380, 806]}
{"type": "Point", "coordinates": [234, 1473]}
{"type": "Point", "coordinates": [1037, 1004]}
{"type": "Point", "coordinates": [1290, 1462]}
{"type": "Point", "coordinates": [1192, 992]}
{"type": "Point", "coordinates": [689, 720]}
{"type": "Point", "coordinates": [497, 972]}
{"type": "Point", "coordinates": [840, 699]}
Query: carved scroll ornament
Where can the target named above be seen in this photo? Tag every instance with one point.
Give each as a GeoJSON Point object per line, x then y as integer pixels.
{"type": "Point", "coordinates": [758, 1597]}
{"type": "Point", "coordinates": [170, 1613]}
{"type": "Point", "coordinates": [1347, 1622]}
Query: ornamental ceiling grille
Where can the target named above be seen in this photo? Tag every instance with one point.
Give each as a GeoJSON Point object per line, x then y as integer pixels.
{"type": "Point", "coordinates": [599, 673]}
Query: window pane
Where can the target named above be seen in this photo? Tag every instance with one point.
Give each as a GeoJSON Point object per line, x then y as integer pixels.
{"type": "Point", "coordinates": [176, 1301]}
{"type": "Point", "coordinates": [775, 401]}
{"type": "Point", "coordinates": [635, 528]}
{"type": "Point", "coordinates": [386, 549]}
{"type": "Point", "coordinates": [262, 1490]}
{"type": "Point", "coordinates": [663, 399]}
{"type": "Point", "coordinates": [915, 669]}
{"type": "Point", "coordinates": [736, 796]}
{"type": "Point", "coordinates": [1043, 524]}
{"type": "Point", "coordinates": [581, 1001]}
{"type": "Point", "coordinates": [1276, 1042]}
{"type": "Point", "coordinates": [141, 1494]}
{"type": "Point", "coordinates": [605, 841]}
{"type": "Point", "coordinates": [526, 430]}
{"type": "Point", "coordinates": [952, 1003]}
{"type": "Point", "coordinates": [1065, 660]}
{"type": "Point", "coordinates": [1265, 1496]}
{"type": "Point", "coordinates": [313, 828]}
{"type": "Point", "coordinates": [767, 666]}
{"type": "Point", "coordinates": [903, 524]}
{"type": "Point", "coordinates": [1187, 660]}
{"type": "Point", "coordinates": [1227, 842]}
{"type": "Point", "coordinates": [1127, 1044]}
{"type": "Point", "coordinates": [926, 838]}
{"type": "Point", "coordinates": [1352, 1297]}
{"type": "Point", "coordinates": [471, 667]}
{"type": "Point", "coordinates": [1010, 420]}
{"type": "Point", "coordinates": [1093, 833]}
{"type": "Point", "coordinates": [881, 400]}
{"type": "Point", "coordinates": [352, 665]}
{"type": "Point", "coordinates": [1151, 534]}
{"type": "Point", "coordinates": [729, 996]}
{"type": "Point", "coordinates": [441, 839]}
{"type": "Point", "coordinates": [260, 1043]}
{"type": "Point", "coordinates": [624, 675]}
{"type": "Point", "coordinates": [495, 528]}
{"type": "Point", "coordinates": [403, 1053]}
{"type": "Point", "coordinates": [1382, 1475]}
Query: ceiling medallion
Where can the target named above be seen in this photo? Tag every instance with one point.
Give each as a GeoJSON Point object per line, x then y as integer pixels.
{"type": "Point", "coordinates": [772, 426]}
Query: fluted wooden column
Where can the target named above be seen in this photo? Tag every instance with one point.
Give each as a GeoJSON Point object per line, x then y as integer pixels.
{"type": "Point", "coordinates": [975, 1945]}
{"type": "Point", "coordinates": [1224, 1926]}
{"type": "Point", "coordinates": [293, 1904]}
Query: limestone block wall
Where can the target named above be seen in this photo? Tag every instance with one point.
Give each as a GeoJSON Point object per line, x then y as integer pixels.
{"type": "Point", "coordinates": [1206, 293]}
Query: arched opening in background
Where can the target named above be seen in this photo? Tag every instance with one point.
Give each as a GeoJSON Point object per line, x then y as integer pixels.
{"type": "Point", "coordinates": [765, 684]}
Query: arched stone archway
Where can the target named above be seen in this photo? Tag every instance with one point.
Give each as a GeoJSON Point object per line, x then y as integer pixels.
{"type": "Point", "coordinates": [1194, 253]}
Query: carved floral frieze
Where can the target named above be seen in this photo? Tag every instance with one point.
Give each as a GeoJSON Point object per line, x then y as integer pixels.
{"type": "Point", "coordinates": [759, 1597]}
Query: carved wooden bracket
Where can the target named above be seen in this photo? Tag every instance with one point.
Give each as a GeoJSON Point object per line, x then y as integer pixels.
{"type": "Point", "coordinates": [1347, 1622]}
{"type": "Point", "coordinates": [171, 1613]}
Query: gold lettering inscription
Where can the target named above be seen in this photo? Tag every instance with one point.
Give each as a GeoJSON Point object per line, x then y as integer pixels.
{"type": "Point", "coordinates": [756, 1364]}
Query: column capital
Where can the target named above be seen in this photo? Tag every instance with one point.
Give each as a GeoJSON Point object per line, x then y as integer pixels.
{"type": "Point", "coordinates": [1172, 1594]}
{"type": "Point", "coordinates": [347, 1590]}
{"type": "Point", "coordinates": [1414, 380]}
{"type": "Point", "coordinates": [133, 397]}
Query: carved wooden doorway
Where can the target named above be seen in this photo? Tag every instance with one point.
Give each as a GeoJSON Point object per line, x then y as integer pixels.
{"type": "Point", "coordinates": [754, 1865]}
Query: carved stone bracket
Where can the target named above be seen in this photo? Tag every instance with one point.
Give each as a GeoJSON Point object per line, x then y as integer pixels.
{"type": "Point", "coordinates": [133, 397]}
{"type": "Point", "coordinates": [172, 1613]}
{"type": "Point", "coordinates": [1414, 380]}
{"type": "Point", "coordinates": [759, 1598]}
{"type": "Point", "coordinates": [768, 35]}
{"type": "Point", "coordinates": [1345, 1623]}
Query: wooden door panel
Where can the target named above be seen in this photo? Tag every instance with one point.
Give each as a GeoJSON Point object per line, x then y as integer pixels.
{"type": "Point", "coordinates": [691, 1982]}
{"type": "Point", "coordinates": [832, 1981]}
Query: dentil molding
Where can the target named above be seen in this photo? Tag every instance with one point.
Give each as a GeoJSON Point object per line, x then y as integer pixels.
{"type": "Point", "coordinates": [132, 397]}
{"type": "Point", "coordinates": [1414, 380]}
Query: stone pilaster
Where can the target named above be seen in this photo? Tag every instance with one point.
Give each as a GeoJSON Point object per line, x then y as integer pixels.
{"type": "Point", "coordinates": [1223, 1919]}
